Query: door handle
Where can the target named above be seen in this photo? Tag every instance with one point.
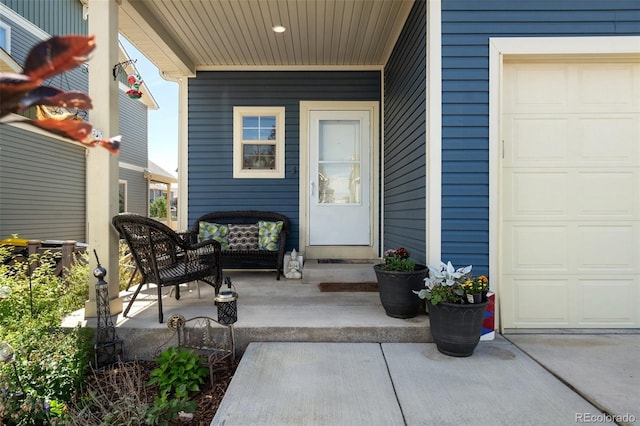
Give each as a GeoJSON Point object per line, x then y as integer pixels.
{"type": "Point", "coordinates": [313, 186]}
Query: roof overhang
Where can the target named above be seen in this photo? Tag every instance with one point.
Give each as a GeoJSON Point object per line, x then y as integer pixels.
{"type": "Point", "coordinates": [183, 37]}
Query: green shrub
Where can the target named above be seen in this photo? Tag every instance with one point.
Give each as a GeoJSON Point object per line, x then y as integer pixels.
{"type": "Point", "coordinates": [51, 362]}
{"type": "Point", "coordinates": [165, 409]}
{"type": "Point", "coordinates": [179, 372]}
{"type": "Point", "coordinates": [158, 207]}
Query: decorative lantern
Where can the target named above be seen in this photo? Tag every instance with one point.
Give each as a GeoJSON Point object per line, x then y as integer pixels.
{"type": "Point", "coordinates": [5, 292]}
{"type": "Point", "coordinates": [8, 356]}
{"type": "Point", "coordinates": [227, 304]}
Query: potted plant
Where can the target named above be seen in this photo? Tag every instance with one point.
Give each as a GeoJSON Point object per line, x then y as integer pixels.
{"type": "Point", "coordinates": [456, 302]}
{"type": "Point", "coordinates": [398, 277]}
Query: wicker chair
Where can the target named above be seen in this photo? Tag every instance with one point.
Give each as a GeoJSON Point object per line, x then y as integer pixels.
{"type": "Point", "coordinates": [165, 258]}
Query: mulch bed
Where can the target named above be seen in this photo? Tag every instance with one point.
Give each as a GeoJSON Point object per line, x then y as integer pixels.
{"type": "Point", "coordinates": [207, 399]}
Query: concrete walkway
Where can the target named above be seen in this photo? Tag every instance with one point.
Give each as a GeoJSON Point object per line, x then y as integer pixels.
{"type": "Point", "coordinates": [603, 368]}
{"type": "Point", "coordinates": [353, 384]}
{"type": "Point", "coordinates": [536, 379]}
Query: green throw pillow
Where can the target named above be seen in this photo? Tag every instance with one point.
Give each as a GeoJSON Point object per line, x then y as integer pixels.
{"type": "Point", "coordinates": [214, 231]}
{"type": "Point", "coordinates": [269, 235]}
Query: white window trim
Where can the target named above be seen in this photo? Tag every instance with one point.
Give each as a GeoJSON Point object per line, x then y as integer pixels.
{"type": "Point", "coordinates": [238, 171]}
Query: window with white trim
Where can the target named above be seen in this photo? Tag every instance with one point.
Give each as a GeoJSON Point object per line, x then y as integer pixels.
{"type": "Point", "coordinates": [5, 37]}
{"type": "Point", "coordinates": [258, 142]}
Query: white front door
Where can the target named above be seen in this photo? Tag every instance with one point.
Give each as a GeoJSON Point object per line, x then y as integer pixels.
{"type": "Point", "coordinates": [339, 179]}
{"type": "Point", "coordinates": [339, 198]}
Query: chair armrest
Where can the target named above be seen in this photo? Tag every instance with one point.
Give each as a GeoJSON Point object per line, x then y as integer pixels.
{"type": "Point", "coordinates": [206, 247]}
{"type": "Point", "coordinates": [188, 236]}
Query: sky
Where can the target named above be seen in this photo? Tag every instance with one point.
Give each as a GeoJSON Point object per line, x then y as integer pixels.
{"type": "Point", "coordinates": [163, 122]}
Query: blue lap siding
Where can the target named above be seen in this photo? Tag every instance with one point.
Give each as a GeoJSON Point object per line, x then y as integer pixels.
{"type": "Point", "coordinates": [404, 139]}
{"type": "Point", "coordinates": [212, 96]}
{"type": "Point", "coordinates": [467, 26]}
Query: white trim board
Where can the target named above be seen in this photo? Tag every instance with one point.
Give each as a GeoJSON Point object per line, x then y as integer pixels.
{"type": "Point", "coordinates": [433, 63]}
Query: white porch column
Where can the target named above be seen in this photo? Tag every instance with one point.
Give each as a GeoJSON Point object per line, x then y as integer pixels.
{"type": "Point", "coordinates": [102, 167]}
{"type": "Point", "coordinates": [183, 152]}
{"type": "Point", "coordinates": [434, 132]}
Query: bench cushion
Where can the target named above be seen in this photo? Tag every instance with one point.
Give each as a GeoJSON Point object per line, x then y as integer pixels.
{"type": "Point", "coordinates": [243, 237]}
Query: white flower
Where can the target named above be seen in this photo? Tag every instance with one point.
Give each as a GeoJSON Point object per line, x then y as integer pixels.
{"type": "Point", "coordinates": [446, 274]}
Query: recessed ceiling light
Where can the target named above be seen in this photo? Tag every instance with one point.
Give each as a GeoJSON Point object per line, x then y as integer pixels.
{"type": "Point", "coordinates": [278, 29]}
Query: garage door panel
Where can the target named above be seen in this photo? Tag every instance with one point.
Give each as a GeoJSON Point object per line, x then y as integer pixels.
{"type": "Point", "coordinates": [570, 195]}
{"type": "Point", "coordinates": [542, 87]}
{"type": "Point", "coordinates": [533, 307]}
{"type": "Point", "coordinates": [536, 139]}
{"type": "Point", "coordinates": [606, 194]}
{"type": "Point", "coordinates": [605, 87]}
{"type": "Point", "coordinates": [607, 248]}
{"type": "Point", "coordinates": [606, 140]}
{"type": "Point", "coordinates": [529, 202]}
{"type": "Point", "coordinates": [527, 255]}
{"type": "Point", "coordinates": [608, 302]}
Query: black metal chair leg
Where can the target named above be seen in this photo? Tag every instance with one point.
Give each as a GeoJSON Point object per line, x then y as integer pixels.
{"type": "Point", "coordinates": [133, 298]}
{"type": "Point", "coordinates": [160, 316]}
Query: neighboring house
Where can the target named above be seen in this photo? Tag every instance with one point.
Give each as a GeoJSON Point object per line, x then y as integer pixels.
{"type": "Point", "coordinates": [163, 184]}
{"type": "Point", "coordinates": [499, 133]}
{"type": "Point", "coordinates": [42, 177]}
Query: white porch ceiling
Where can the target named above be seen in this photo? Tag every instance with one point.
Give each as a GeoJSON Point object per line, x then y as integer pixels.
{"type": "Point", "coordinates": [183, 36]}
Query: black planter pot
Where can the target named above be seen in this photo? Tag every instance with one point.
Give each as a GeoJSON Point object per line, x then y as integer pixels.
{"type": "Point", "coordinates": [456, 329]}
{"type": "Point", "coordinates": [396, 290]}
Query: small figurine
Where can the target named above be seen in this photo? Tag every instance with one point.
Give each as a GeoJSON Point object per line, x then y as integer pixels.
{"type": "Point", "coordinates": [293, 268]}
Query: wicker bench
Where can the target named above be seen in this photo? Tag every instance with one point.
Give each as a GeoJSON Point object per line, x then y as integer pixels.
{"type": "Point", "coordinates": [250, 239]}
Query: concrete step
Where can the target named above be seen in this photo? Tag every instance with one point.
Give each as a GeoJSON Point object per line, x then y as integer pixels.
{"type": "Point", "coordinates": [268, 311]}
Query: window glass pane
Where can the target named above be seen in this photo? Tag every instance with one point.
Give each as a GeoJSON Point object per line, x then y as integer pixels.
{"type": "Point", "coordinates": [122, 189]}
{"type": "Point", "coordinates": [259, 128]}
{"type": "Point", "coordinates": [339, 183]}
{"type": "Point", "coordinates": [268, 134]}
{"type": "Point", "coordinates": [268, 121]}
{"type": "Point", "coordinates": [259, 157]}
{"type": "Point", "coordinates": [339, 140]}
{"type": "Point", "coordinates": [250, 121]}
{"type": "Point", "coordinates": [250, 134]}
{"type": "Point", "coordinates": [3, 38]}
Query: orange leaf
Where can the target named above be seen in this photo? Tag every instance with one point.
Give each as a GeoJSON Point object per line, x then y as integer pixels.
{"type": "Point", "coordinates": [57, 55]}
{"type": "Point", "coordinates": [12, 88]}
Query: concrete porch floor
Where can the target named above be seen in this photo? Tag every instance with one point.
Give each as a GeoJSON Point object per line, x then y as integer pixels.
{"type": "Point", "coordinates": [270, 311]}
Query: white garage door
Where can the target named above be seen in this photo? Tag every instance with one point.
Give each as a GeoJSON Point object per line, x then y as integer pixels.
{"type": "Point", "coordinates": [570, 195]}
